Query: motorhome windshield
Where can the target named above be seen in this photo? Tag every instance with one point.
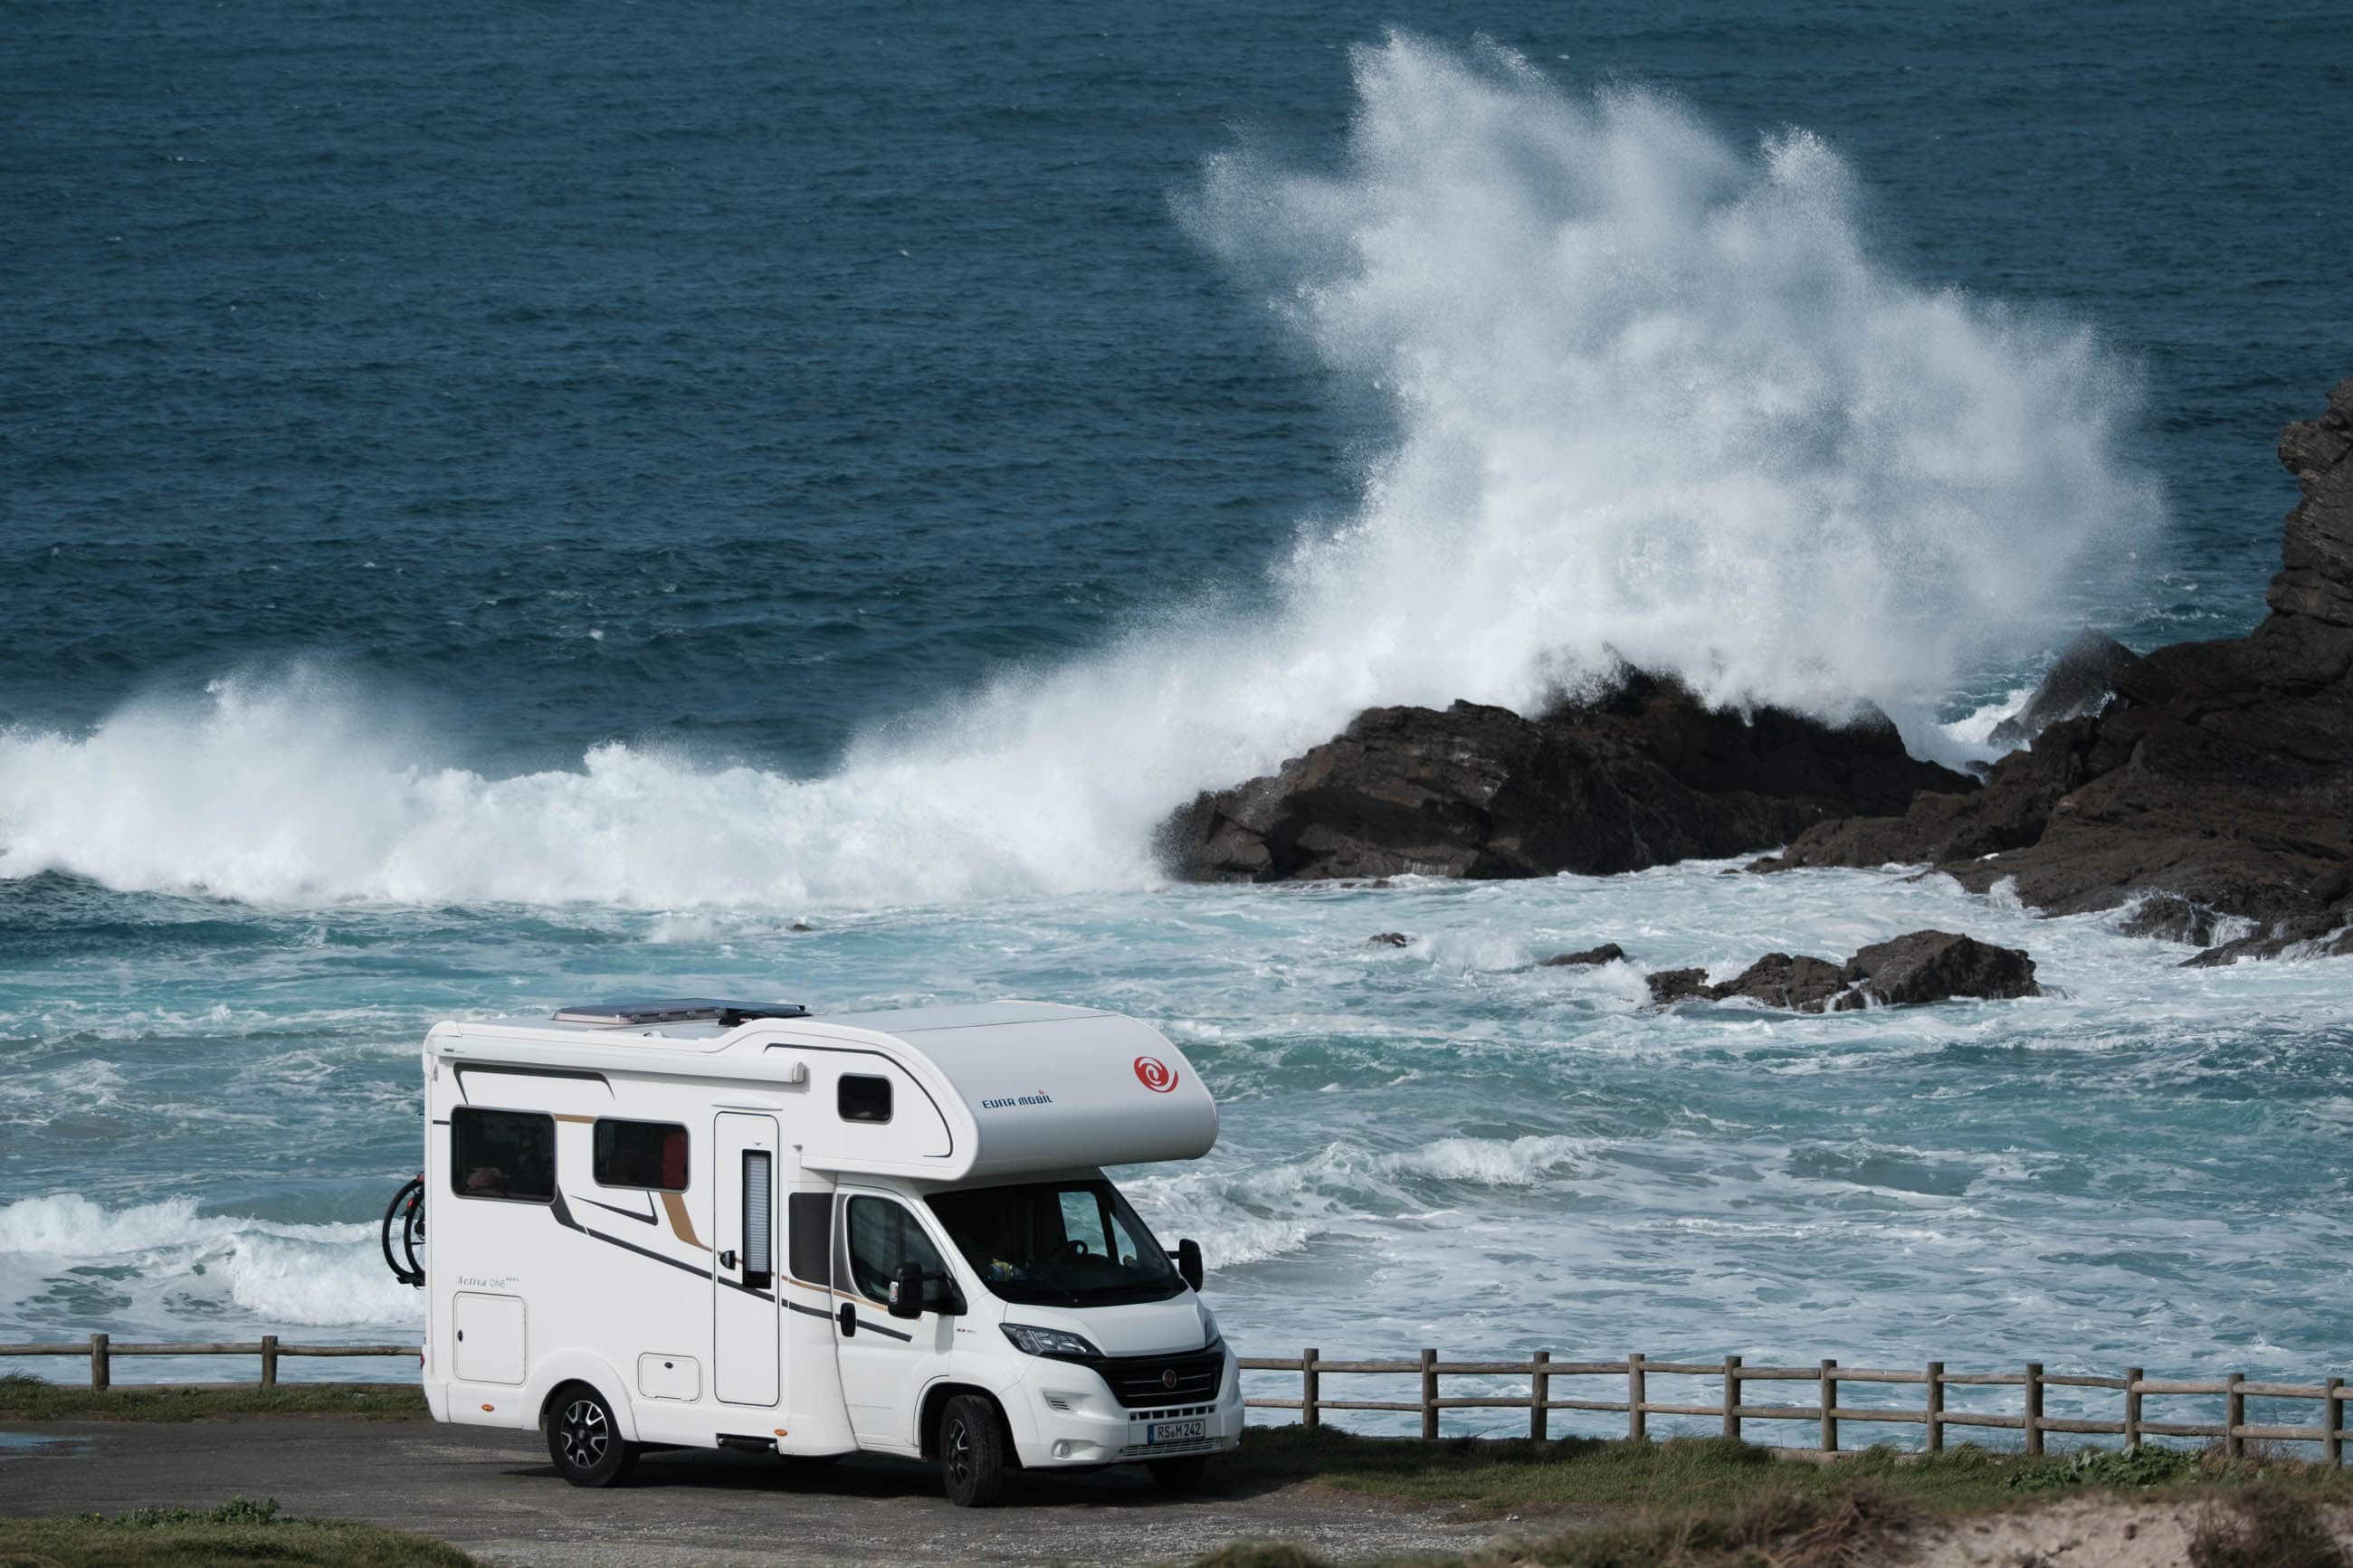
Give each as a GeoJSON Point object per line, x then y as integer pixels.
{"type": "Point", "coordinates": [1058, 1244]}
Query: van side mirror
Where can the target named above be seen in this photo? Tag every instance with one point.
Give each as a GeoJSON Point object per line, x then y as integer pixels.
{"type": "Point", "coordinates": [1189, 1262]}
{"type": "Point", "coordinates": [907, 1291]}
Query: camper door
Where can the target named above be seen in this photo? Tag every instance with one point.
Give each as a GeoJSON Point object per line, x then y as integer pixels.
{"type": "Point", "coordinates": [745, 1349]}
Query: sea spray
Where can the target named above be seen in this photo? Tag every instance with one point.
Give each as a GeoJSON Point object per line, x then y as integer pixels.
{"type": "Point", "coordinates": [1653, 395]}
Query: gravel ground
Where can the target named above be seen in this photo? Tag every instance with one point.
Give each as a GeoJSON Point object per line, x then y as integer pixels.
{"type": "Point", "coordinates": [495, 1494]}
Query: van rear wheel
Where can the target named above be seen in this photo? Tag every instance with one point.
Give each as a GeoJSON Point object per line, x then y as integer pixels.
{"type": "Point", "coordinates": [584, 1441]}
{"type": "Point", "coordinates": [1178, 1474]}
{"type": "Point", "coordinates": [971, 1452]}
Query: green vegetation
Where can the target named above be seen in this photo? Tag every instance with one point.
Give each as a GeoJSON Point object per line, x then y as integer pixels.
{"type": "Point", "coordinates": [239, 1530]}
{"type": "Point", "coordinates": [1708, 1503]}
{"type": "Point", "coordinates": [1487, 1478]}
{"type": "Point", "coordinates": [29, 1399]}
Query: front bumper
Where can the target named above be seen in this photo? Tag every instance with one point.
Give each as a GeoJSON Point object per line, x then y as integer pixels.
{"type": "Point", "coordinates": [1074, 1421]}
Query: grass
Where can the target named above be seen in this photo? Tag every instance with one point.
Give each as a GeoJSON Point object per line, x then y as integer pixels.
{"type": "Point", "coordinates": [1709, 1503]}
{"type": "Point", "coordinates": [239, 1530]}
{"type": "Point", "coordinates": [1485, 1476]}
{"type": "Point", "coordinates": [29, 1399]}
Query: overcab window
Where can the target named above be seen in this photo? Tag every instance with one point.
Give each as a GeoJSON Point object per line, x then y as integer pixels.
{"type": "Point", "coordinates": [506, 1154]}
{"type": "Point", "coordinates": [641, 1154]}
{"type": "Point", "coordinates": [864, 1099]}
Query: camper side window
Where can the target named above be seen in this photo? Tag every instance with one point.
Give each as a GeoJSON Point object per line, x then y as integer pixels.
{"type": "Point", "coordinates": [641, 1154]}
{"type": "Point", "coordinates": [863, 1098]}
{"type": "Point", "coordinates": [883, 1236]}
{"type": "Point", "coordinates": [506, 1154]}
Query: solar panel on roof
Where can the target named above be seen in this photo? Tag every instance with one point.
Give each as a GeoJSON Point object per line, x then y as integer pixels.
{"type": "Point", "coordinates": [677, 1010]}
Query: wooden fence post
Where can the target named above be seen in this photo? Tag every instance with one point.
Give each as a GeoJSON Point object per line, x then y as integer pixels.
{"type": "Point", "coordinates": [269, 1360]}
{"type": "Point", "coordinates": [2034, 1407]}
{"type": "Point", "coordinates": [1936, 1407]}
{"type": "Point", "coordinates": [1732, 1397]}
{"type": "Point", "coordinates": [1637, 1421]}
{"type": "Point", "coordinates": [1830, 1403]}
{"type": "Point", "coordinates": [1539, 1393]}
{"type": "Point", "coordinates": [2234, 1416]}
{"type": "Point", "coordinates": [1428, 1395]}
{"type": "Point", "coordinates": [1311, 1390]}
{"type": "Point", "coordinates": [2132, 1406]}
{"type": "Point", "coordinates": [2332, 1421]}
{"type": "Point", "coordinates": [101, 1365]}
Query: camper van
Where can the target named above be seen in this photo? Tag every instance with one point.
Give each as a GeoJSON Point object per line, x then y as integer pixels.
{"type": "Point", "coordinates": [702, 1224]}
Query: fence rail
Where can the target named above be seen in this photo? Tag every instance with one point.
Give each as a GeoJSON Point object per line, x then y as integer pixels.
{"type": "Point", "coordinates": [102, 1349]}
{"type": "Point", "coordinates": [1634, 1372]}
{"type": "Point", "coordinates": [1826, 1414]}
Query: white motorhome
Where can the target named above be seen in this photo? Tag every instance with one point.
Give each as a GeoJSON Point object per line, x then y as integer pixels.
{"type": "Point", "coordinates": [705, 1224]}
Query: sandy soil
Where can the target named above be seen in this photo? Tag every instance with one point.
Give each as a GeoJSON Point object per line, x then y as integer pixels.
{"type": "Point", "coordinates": [2083, 1533]}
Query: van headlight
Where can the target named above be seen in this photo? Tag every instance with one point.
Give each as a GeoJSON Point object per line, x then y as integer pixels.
{"type": "Point", "coordinates": [1059, 1343]}
{"type": "Point", "coordinates": [1210, 1338]}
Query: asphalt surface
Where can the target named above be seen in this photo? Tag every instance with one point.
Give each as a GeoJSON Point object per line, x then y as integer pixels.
{"type": "Point", "coordinates": [495, 1494]}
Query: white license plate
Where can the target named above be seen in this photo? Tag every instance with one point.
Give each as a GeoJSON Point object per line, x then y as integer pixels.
{"type": "Point", "coordinates": [1175, 1432]}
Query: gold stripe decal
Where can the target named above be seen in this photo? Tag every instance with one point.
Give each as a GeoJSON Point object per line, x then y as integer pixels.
{"type": "Point", "coordinates": [675, 1204]}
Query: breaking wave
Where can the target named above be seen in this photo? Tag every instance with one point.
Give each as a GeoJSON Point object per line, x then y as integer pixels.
{"type": "Point", "coordinates": [182, 1263]}
{"type": "Point", "coordinates": [1653, 395]}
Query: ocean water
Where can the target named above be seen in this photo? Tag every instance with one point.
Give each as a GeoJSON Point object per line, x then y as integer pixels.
{"type": "Point", "coordinates": [507, 505]}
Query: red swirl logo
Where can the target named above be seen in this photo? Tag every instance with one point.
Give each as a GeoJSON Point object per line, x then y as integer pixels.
{"type": "Point", "coordinates": [1154, 1074]}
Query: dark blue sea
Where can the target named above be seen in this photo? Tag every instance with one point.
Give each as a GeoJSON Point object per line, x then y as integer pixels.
{"type": "Point", "coordinates": [499, 504]}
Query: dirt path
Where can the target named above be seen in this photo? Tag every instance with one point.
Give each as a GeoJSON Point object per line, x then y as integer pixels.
{"type": "Point", "coordinates": [495, 1494]}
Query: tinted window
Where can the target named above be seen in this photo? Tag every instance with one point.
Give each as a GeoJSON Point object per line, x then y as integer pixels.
{"type": "Point", "coordinates": [865, 1099]}
{"type": "Point", "coordinates": [641, 1154]}
{"type": "Point", "coordinates": [883, 1236]}
{"type": "Point", "coordinates": [502, 1154]}
{"type": "Point", "coordinates": [1060, 1244]}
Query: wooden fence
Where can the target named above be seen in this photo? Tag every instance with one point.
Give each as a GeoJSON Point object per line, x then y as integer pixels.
{"type": "Point", "coordinates": [1826, 1414]}
{"type": "Point", "coordinates": [102, 1352]}
{"type": "Point", "coordinates": [1633, 1373]}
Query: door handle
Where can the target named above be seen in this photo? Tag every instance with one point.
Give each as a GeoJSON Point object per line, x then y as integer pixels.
{"type": "Point", "coordinates": [847, 1318]}
{"type": "Point", "coordinates": [727, 1259]}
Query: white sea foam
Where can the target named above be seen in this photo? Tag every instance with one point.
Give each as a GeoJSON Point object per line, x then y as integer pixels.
{"type": "Point", "coordinates": [270, 1272]}
{"type": "Point", "coordinates": [1654, 393]}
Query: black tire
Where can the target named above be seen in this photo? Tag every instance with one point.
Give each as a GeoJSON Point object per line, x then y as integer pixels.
{"type": "Point", "coordinates": [971, 1452]}
{"type": "Point", "coordinates": [1179, 1474]}
{"type": "Point", "coordinates": [585, 1440]}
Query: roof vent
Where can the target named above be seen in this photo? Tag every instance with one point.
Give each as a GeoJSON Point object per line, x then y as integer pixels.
{"type": "Point", "coordinates": [677, 1010]}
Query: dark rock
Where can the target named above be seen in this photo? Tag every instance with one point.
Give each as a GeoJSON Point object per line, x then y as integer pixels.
{"type": "Point", "coordinates": [2169, 918]}
{"type": "Point", "coordinates": [1388, 939]}
{"type": "Point", "coordinates": [1778, 980]}
{"type": "Point", "coordinates": [2329, 935]}
{"type": "Point", "coordinates": [2222, 774]}
{"type": "Point", "coordinates": [1933, 965]}
{"type": "Point", "coordinates": [1608, 953]}
{"type": "Point", "coordinates": [1674, 985]}
{"type": "Point", "coordinates": [802, 925]}
{"type": "Point", "coordinates": [1643, 777]}
{"type": "Point", "coordinates": [2090, 671]}
{"type": "Point", "coordinates": [1921, 966]}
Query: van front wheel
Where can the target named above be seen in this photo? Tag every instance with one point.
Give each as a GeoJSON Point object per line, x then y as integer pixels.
{"type": "Point", "coordinates": [583, 1441]}
{"type": "Point", "coordinates": [971, 1452]}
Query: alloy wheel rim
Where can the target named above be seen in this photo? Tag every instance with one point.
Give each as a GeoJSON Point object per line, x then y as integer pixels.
{"type": "Point", "coordinates": [959, 1452]}
{"type": "Point", "coordinates": [586, 1436]}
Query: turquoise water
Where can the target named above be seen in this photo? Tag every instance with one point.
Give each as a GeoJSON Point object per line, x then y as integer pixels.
{"type": "Point", "coordinates": [511, 506]}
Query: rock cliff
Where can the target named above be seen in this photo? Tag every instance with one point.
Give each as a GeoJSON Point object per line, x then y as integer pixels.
{"type": "Point", "coordinates": [2220, 774]}
{"type": "Point", "coordinates": [1642, 776]}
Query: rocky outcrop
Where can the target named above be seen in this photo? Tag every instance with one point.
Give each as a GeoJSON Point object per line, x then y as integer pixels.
{"type": "Point", "coordinates": [1608, 953]}
{"type": "Point", "coordinates": [1643, 777]}
{"type": "Point", "coordinates": [1923, 967]}
{"type": "Point", "coordinates": [2088, 673]}
{"type": "Point", "coordinates": [2166, 918]}
{"type": "Point", "coordinates": [2220, 773]}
